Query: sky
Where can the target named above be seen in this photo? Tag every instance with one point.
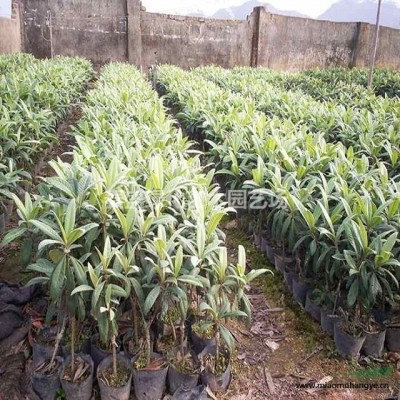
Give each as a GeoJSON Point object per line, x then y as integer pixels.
{"type": "Point", "coordinates": [312, 8]}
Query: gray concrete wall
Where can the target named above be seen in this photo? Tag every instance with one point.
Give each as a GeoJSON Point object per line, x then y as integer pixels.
{"type": "Point", "coordinates": [10, 32]}
{"type": "Point", "coordinates": [289, 43]}
{"type": "Point", "coordinates": [191, 41]}
{"type": "Point", "coordinates": [96, 29]}
{"type": "Point", "coordinates": [122, 30]}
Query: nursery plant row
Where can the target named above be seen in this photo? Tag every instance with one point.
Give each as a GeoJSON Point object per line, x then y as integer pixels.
{"type": "Point", "coordinates": [127, 242]}
{"type": "Point", "coordinates": [34, 97]}
{"type": "Point", "coordinates": [334, 219]}
{"type": "Point", "coordinates": [369, 128]}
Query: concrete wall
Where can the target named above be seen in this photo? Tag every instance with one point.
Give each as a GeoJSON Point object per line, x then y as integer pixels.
{"type": "Point", "coordinates": [289, 43]}
{"type": "Point", "coordinates": [96, 29]}
{"type": "Point", "coordinates": [122, 30]}
{"type": "Point", "coordinates": [191, 42]}
{"type": "Point", "coordinates": [10, 32]}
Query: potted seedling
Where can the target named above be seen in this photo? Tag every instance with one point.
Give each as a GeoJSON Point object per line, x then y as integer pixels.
{"type": "Point", "coordinates": [165, 278]}
{"type": "Point", "coordinates": [108, 286]}
{"type": "Point", "coordinates": [64, 274]}
{"type": "Point", "coordinates": [216, 360]}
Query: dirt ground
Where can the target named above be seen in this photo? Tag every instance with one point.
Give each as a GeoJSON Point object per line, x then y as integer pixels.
{"type": "Point", "coordinates": [284, 347]}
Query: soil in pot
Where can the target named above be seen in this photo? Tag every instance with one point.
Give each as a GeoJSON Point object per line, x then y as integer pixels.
{"type": "Point", "coordinates": [43, 345]}
{"type": "Point", "coordinates": [78, 384]}
{"type": "Point", "coordinates": [216, 374]}
{"type": "Point", "coordinates": [184, 370]}
{"type": "Point", "coordinates": [300, 290]}
{"type": "Point", "coordinates": [82, 344]}
{"type": "Point", "coordinates": [201, 338]}
{"type": "Point", "coordinates": [328, 321]}
{"type": "Point", "coordinates": [115, 387]}
{"type": "Point", "coordinates": [166, 343]}
{"type": "Point", "coordinates": [348, 345]}
{"type": "Point", "coordinates": [150, 382]}
{"type": "Point", "coordinates": [393, 338]}
{"type": "Point", "coordinates": [46, 379]}
{"type": "Point", "coordinates": [312, 308]}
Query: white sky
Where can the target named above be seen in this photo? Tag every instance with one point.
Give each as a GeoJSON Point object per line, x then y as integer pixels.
{"type": "Point", "coordinates": [5, 8]}
{"type": "Point", "coordinates": [313, 8]}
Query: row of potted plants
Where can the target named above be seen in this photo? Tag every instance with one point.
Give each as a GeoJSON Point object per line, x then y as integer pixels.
{"type": "Point", "coordinates": [366, 123]}
{"type": "Point", "coordinates": [35, 96]}
{"type": "Point", "coordinates": [319, 203]}
{"type": "Point", "coordinates": [127, 236]}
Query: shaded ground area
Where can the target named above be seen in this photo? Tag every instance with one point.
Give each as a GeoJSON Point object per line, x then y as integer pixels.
{"type": "Point", "coordinates": [284, 347]}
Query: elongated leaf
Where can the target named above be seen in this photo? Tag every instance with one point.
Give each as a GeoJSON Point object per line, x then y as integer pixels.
{"type": "Point", "coordinates": [151, 299]}
{"type": "Point", "coordinates": [47, 230]}
{"type": "Point", "coordinates": [13, 235]}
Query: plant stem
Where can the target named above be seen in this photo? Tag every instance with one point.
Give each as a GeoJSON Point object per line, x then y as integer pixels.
{"type": "Point", "coordinates": [182, 335]}
{"type": "Point", "coordinates": [217, 346]}
{"type": "Point", "coordinates": [73, 326]}
{"type": "Point", "coordinates": [135, 321]}
{"type": "Point", "coordinates": [57, 344]}
{"type": "Point", "coordinates": [173, 328]}
{"type": "Point", "coordinates": [114, 355]}
{"type": "Point", "coordinates": [148, 343]}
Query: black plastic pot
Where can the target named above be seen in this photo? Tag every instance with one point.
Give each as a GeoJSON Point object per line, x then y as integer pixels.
{"type": "Point", "coordinates": [111, 392]}
{"type": "Point", "coordinates": [300, 290]}
{"type": "Point", "coordinates": [381, 316]}
{"type": "Point", "coordinates": [313, 309]}
{"type": "Point", "coordinates": [281, 262]}
{"type": "Point", "coordinates": [97, 354]}
{"type": "Point", "coordinates": [198, 343]}
{"type": "Point", "coordinates": [374, 343]}
{"type": "Point", "coordinates": [348, 346]}
{"type": "Point", "coordinates": [214, 382]}
{"type": "Point", "coordinates": [328, 321]}
{"type": "Point", "coordinates": [78, 390]}
{"type": "Point", "coordinates": [393, 338]}
{"type": "Point", "coordinates": [271, 254]}
{"type": "Point", "coordinates": [40, 351]}
{"type": "Point", "coordinates": [264, 244]}
{"type": "Point", "coordinates": [125, 343]}
{"type": "Point", "coordinates": [257, 239]}
{"type": "Point", "coordinates": [46, 386]}
{"type": "Point", "coordinates": [150, 384]}
{"type": "Point", "coordinates": [288, 276]}
{"type": "Point", "coordinates": [177, 379]}
{"type": "Point", "coordinates": [196, 393]}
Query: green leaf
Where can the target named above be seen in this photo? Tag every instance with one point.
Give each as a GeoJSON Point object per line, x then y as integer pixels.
{"type": "Point", "coordinates": [81, 288]}
{"type": "Point", "coordinates": [70, 217]}
{"type": "Point", "coordinates": [389, 243]}
{"type": "Point", "coordinates": [227, 337]}
{"type": "Point", "coordinates": [151, 299]}
{"type": "Point", "coordinates": [191, 280]}
{"type": "Point", "coordinates": [13, 235]}
{"type": "Point", "coordinates": [57, 280]}
{"type": "Point", "coordinates": [47, 230]}
{"type": "Point", "coordinates": [353, 293]}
